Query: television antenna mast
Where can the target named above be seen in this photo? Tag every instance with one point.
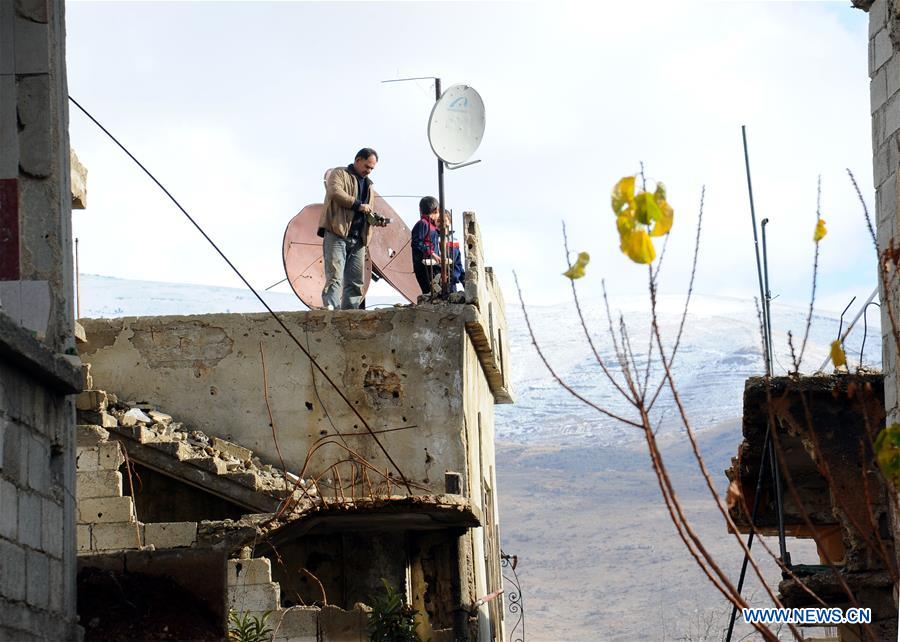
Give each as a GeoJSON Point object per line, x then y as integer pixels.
{"type": "Point", "coordinates": [455, 129]}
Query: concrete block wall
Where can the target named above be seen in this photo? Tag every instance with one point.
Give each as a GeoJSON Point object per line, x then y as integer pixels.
{"type": "Point", "coordinates": [106, 518]}
{"type": "Point", "coordinates": [252, 591]}
{"type": "Point", "coordinates": [36, 598]}
{"type": "Point", "coordinates": [884, 73]}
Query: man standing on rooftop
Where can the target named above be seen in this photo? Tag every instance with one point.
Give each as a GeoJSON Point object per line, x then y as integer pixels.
{"type": "Point", "coordinates": [346, 225]}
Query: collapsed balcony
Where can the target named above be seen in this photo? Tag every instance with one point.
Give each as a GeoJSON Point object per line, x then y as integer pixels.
{"type": "Point", "coordinates": [822, 429]}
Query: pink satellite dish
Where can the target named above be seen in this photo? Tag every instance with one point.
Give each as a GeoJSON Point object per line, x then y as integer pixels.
{"type": "Point", "coordinates": [391, 253]}
{"type": "Point", "coordinates": [302, 252]}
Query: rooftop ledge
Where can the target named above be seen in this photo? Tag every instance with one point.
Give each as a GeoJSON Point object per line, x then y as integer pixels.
{"type": "Point", "coordinates": [20, 349]}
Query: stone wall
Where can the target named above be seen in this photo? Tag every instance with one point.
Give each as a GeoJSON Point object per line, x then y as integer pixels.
{"type": "Point", "coordinates": [37, 458]}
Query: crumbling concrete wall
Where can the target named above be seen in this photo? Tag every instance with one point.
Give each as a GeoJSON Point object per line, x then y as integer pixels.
{"type": "Point", "coordinates": [404, 369]}
{"type": "Point", "coordinates": [252, 592]}
{"type": "Point", "coordinates": [37, 454]}
{"type": "Point", "coordinates": [485, 540]}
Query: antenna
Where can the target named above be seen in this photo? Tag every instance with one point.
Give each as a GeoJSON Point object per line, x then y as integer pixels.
{"type": "Point", "coordinates": [455, 130]}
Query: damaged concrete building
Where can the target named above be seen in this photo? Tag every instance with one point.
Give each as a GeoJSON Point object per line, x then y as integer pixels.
{"type": "Point", "coordinates": [209, 467]}
{"type": "Point", "coordinates": [258, 479]}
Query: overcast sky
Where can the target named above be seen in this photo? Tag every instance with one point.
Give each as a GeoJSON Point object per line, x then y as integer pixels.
{"type": "Point", "coordinates": [239, 107]}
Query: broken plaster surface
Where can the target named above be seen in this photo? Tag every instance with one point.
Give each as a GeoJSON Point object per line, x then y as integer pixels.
{"type": "Point", "coordinates": [402, 369]}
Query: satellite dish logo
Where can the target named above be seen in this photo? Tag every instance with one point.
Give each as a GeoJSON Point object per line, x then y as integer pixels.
{"type": "Point", "coordinates": [460, 104]}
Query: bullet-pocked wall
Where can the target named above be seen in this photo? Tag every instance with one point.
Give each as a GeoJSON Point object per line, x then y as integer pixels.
{"type": "Point", "coordinates": [401, 369]}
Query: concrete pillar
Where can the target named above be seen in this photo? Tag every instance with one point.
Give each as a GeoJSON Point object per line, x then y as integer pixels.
{"type": "Point", "coordinates": [36, 271]}
{"type": "Point", "coordinates": [37, 415]}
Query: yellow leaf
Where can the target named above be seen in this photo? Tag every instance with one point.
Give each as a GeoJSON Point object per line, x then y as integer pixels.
{"type": "Point", "coordinates": [887, 452]}
{"type": "Point", "coordinates": [820, 232]}
{"type": "Point", "coordinates": [576, 271]}
{"type": "Point", "coordinates": [623, 194]}
{"type": "Point", "coordinates": [838, 358]}
{"type": "Point", "coordinates": [666, 218]}
{"type": "Point", "coordinates": [638, 247]}
{"type": "Point", "coordinates": [660, 192]}
{"type": "Point", "coordinates": [646, 210]}
{"type": "Point", "coordinates": [625, 223]}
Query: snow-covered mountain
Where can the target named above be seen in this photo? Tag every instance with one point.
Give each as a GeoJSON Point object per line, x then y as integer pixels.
{"type": "Point", "coordinates": [719, 350]}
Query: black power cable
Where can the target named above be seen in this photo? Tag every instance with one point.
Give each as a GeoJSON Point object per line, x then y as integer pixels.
{"type": "Point", "coordinates": [255, 293]}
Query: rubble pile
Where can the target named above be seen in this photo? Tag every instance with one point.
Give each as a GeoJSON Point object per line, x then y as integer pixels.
{"type": "Point", "coordinates": [148, 425]}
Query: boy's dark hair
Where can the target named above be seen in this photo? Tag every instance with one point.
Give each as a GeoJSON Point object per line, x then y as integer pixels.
{"type": "Point", "coordinates": [428, 204]}
{"type": "Point", "coordinates": [364, 154]}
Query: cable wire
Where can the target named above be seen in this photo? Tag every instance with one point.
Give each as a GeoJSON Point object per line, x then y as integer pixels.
{"type": "Point", "coordinates": [255, 293]}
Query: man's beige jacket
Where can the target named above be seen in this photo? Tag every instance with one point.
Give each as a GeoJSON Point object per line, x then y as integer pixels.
{"type": "Point", "coordinates": [340, 194]}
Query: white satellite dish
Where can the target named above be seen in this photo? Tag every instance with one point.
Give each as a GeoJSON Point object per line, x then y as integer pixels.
{"type": "Point", "coordinates": [456, 126]}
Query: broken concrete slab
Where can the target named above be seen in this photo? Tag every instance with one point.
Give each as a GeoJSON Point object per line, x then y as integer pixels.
{"type": "Point", "coordinates": [89, 436]}
{"type": "Point", "coordinates": [238, 452]}
{"type": "Point", "coordinates": [338, 625]}
{"type": "Point", "coordinates": [105, 510]}
{"type": "Point", "coordinates": [135, 416]}
{"type": "Point", "coordinates": [101, 483]}
{"type": "Point", "coordinates": [79, 182]}
{"type": "Point", "coordinates": [110, 456]}
{"type": "Point", "coordinates": [170, 534]}
{"type": "Point", "coordinates": [204, 472]}
{"type": "Point", "coordinates": [296, 624]}
{"type": "Point", "coordinates": [87, 460]}
{"type": "Point", "coordinates": [160, 417]}
{"type": "Point", "coordinates": [95, 400]}
{"type": "Point", "coordinates": [116, 536]}
{"type": "Point", "coordinates": [257, 570]}
{"type": "Point", "coordinates": [254, 597]}
{"type": "Point", "coordinates": [102, 418]}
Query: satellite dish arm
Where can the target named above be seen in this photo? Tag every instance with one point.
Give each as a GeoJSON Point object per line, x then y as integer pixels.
{"type": "Point", "coordinates": [452, 166]}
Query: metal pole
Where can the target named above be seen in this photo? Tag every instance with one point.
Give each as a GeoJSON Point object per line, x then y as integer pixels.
{"type": "Point", "coordinates": [443, 232]}
{"type": "Point", "coordinates": [77, 284]}
{"type": "Point", "coordinates": [762, 294]}
{"type": "Point", "coordinates": [776, 472]}
{"type": "Point", "coordinates": [779, 504]}
{"type": "Point", "coordinates": [759, 480]}
{"type": "Point", "coordinates": [768, 445]}
{"type": "Point", "coordinates": [768, 300]}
